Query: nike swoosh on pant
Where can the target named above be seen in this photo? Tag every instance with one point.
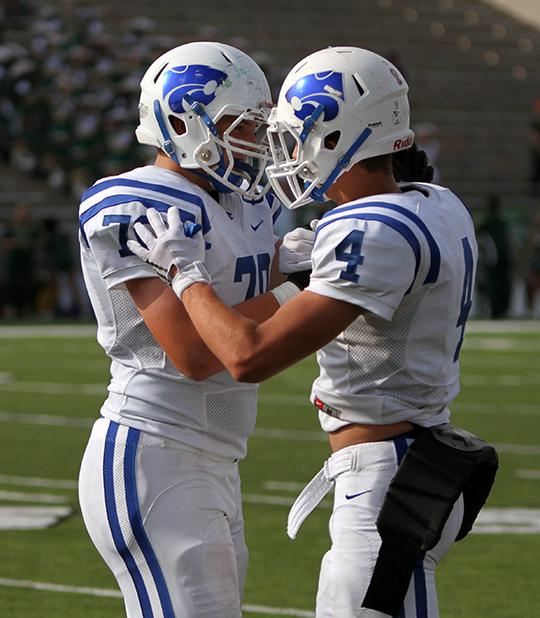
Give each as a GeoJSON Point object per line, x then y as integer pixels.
{"type": "Point", "coordinates": [351, 496]}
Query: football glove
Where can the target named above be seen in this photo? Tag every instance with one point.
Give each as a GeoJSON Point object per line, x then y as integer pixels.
{"type": "Point", "coordinates": [412, 165]}
{"type": "Point", "coordinates": [295, 254]}
{"type": "Point", "coordinates": [295, 250]}
{"type": "Point", "coordinates": [174, 249]}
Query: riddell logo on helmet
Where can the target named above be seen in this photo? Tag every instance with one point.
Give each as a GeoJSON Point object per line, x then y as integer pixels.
{"type": "Point", "coordinates": [401, 144]}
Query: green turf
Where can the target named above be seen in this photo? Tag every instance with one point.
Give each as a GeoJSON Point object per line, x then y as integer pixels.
{"type": "Point", "coordinates": [485, 576]}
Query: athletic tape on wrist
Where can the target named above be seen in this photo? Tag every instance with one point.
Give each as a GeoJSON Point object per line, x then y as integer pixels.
{"type": "Point", "coordinates": [193, 273]}
{"type": "Point", "coordinates": [285, 292]}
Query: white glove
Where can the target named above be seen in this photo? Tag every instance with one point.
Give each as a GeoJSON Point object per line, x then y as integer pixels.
{"type": "Point", "coordinates": [295, 250]}
{"type": "Point", "coordinates": [175, 252]}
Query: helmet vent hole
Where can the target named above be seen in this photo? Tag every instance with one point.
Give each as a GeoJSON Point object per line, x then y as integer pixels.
{"type": "Point", "coordinates": [359, 86]}
{"type": "Point", "coordinates": [160, 72]}
{"type": "Point", "coordinates": [178, 125]}
{"type": "Point", "coordinates": [331, 140]}
{"type": "Point", "coordinates": [226, 57]}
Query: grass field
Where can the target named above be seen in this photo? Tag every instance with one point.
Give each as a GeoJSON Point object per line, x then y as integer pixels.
{"type": "Point", "coordinates": [51, 388]}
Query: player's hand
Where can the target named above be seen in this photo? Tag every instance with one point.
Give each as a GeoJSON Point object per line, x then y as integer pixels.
{"type": "Point", "coordinates": [174, 249]}
{"type": "Point", "coordinates": [412, 165]}
{"type": "Point", "coordinates": [295, 254]}
{"type": "Point", "coordinates": [295, 250]}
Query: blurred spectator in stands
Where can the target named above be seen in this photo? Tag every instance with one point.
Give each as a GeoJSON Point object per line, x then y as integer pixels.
{"type": "Point", "coordinates": [68, 96]}
{"type": "Point", "coordinates": [534, 141]}
{"type": "Point", "coordinates": [532, 264]}
{"type": "Point", "coordinates": [14, 12]}
{"type": "Point", "coordinates": [495, 260]}
{"type": "Point", "coordinates": [427, 139]}
{"type": "Point", "coordinates": [59, 294]}
{"type": "Point", "coordinates": [19, 245]}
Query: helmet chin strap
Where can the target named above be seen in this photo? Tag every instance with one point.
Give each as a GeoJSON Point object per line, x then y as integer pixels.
{"type": "Point", "coordinates": [343, 163]}
{"type": "Point", "coordinates": [220, 170]}
{"type": "Point", "coordinates": [168, 147]}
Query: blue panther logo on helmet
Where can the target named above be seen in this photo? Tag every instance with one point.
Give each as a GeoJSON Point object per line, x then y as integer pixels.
{"type": "Point", "coordinates": [312, 90]}
{"type": "Point", "coordinates": [197, 80]}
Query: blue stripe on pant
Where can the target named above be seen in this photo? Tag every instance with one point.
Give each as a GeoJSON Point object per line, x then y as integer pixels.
{"type": "Point", "coordinates": [419, 576]}
{"type": "Point", "coordinates": [137, 523]}
{"type": "Point", "coordinates": [420, 591]}
{"type": "Point", "coordinates": [135, 520]}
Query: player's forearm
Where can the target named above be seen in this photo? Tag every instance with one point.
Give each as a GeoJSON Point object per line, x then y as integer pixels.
{"type": "Point", "coordinates": [259, 308]}
{"type": "Point", "coordinates": [230, 336]}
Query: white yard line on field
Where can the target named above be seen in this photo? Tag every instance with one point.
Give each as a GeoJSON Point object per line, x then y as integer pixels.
{"type": "Point", "coordinates": [260, 432]}
{"type": "Point", "coordinates": [52, 330]}
{"type": "Point", "coordinates": [503, 344]}
{"type": "Point", "coordinates": [518, 449]}
{"type": "Point", "coordinates": [52, 388]}
{"type": "Point", "coordinates": [32, 517]}
{"type": "Point", "coordinates": [32, 481]}
{"type": "Point", "coordinates": [103, 592]}
{"type": "Point", "coordinates": [8, 383]}
{"type": "Point", "coordinates": [44, 419]}
{"type": "Point", "coordinates": [290, 434]}
{"type": "Point", "coordinates": [521, 409]}
{"type": "Point", "coordinates": [278, 500]}
{"type": "Point", "coordinates": [532, 475]}
{"type": "Point", "coordinates": [503, 326]}
{"type": "Point", "coordinates": [497, 380]}
{"type": "Point", "coordinates": [90, 330]}
{"type": "Point", "coordinates": [285, 486]}
{"type": "Point", "coordinates": [19, 496]}
{"type": "Point", "coordinates": [506, 520]}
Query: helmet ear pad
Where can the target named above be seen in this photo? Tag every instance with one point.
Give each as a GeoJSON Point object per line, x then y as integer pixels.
{"type": "Point", "coordinates": [331, 141]}
{"type": "Point", "coordinates": [178, 125]}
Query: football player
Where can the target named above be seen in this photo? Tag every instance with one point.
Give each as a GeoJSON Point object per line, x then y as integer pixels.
{"type": "Point", "coordinates": [385, 309]}
{"type": "Point", "coordinates": [159, 483]}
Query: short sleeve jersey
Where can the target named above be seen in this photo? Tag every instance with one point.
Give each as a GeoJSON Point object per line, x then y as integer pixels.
{"type": "Point", "coordinates": [146, 391]}
{"type": "Point", "coordinates": [409, 261]}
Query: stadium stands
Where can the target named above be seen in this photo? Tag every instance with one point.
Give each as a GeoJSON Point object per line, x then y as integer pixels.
{"type": "Point", "coordinates": [470, 66]}
{"type": "Point", "coordinates": [70, 71]}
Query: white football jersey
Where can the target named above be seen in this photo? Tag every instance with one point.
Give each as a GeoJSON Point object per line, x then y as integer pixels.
{"type": "Point", "coordinates": [146, 391]}
{"type": "Point", "coordinates": [409, 260]}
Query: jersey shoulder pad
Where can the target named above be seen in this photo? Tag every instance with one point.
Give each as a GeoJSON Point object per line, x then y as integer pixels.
{"type": "Point", "coordinates": [365, 257]}
{"type": "Point", "coordinates": [151, 192]}
{"type": "Point", "coordinates": [104, 233]}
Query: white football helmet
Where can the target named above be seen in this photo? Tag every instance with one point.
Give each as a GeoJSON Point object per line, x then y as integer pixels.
{"type": "Point", "coordinates": [200, 83]}
{"type": "Point", "coordinates": [352, 96]}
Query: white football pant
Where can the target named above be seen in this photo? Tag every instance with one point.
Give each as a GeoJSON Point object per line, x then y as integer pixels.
{"type": "Point", "coordinates": [167, 521]}
{"type": "Point", "coordinates": [347, 567]}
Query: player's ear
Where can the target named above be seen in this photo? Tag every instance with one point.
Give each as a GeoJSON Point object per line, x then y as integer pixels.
{"type": "Point", "coordinates": [331, 140]}
{"type": "Point", "coordinates": [178, 125]}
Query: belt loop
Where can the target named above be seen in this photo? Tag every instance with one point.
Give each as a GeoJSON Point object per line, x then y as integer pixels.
{"type": "Point", "coordinates": [326, 470]}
